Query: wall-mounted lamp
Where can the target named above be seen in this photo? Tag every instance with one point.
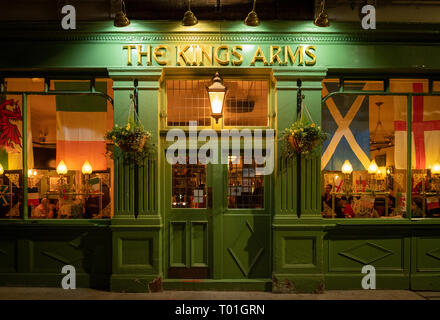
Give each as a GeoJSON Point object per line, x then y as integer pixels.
{"type": "Point", "coordinates": [217, 92]}
{"type": "Point", "coordinates": [61, 168]}
{"type": "Point", "coordinates": [435, 168]}
{"type": "Point", "coordinates": [347, 168]}
{"type": "Point", "coordinates": [86, 168]}
{"type": "Point", "coordinates": [322, 18]}
{"type": "Point", "coordinates": [121, 19]}
{"type": "Point", "coordinates": [1, 169]}
{"type": "Point", "coordinates": [252, 18]}
{"type": "Point", "coordinates": [189, 19]}
{"type": "Point", "coordinates": [372, 168]}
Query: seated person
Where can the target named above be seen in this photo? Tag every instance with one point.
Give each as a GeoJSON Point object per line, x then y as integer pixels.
{"type": "Point", "coordinates": [53, 209]}
{"type": "Point", "coordinates": [65, 206]}
{"type": "Point", "coordinates": [326, 199]}
{"type": "Point", "coordinates": [339, 208]}
{"type": "Point", "coordinates": [41, 210]}
{"type": "Point", "coordinates": [77, 209]}
{"type": "Point", "coordinates": [348, 210]}
{"type": "Point", "coordinates": [416, 208]}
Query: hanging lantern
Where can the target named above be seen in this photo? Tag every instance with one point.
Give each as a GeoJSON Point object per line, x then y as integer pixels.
{"type": "Point", "coordinates": [217, 92]}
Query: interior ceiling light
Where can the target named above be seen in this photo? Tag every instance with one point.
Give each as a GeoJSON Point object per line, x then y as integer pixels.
{"type": "Point", "coordinates": [322, 18]}
{"type": "Point", "coordinates": [252, 18]}
{"type": "Point", "coordinates": [379, 132]}
{"type": "Point", "coordinates": [189, 19]}
{"type": "Point", "coordinates": [121, 19]}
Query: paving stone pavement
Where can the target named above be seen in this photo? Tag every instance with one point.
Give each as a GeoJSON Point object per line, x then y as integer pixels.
{"type": "Point", "coordinates": [32, 293]}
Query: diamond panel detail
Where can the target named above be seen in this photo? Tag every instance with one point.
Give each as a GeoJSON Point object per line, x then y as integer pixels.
{"type": "Point", "coordinates": [366, 253]}
{"type": "Point", "coordinates": [246, 250]}
{"type": "Point", "coordinates": [434, 253]}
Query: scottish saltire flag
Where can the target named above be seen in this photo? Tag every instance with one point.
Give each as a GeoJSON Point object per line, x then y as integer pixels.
{"type": "Point", "coordinates": [81, 125]}
{"type": "Point", "coordinates": [346, 120]}
{"type": "Point", "coordinates": [425, 142]}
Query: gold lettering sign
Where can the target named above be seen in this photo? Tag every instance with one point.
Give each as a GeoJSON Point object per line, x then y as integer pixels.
{"type": "Point", "coordinates": [223, 55]}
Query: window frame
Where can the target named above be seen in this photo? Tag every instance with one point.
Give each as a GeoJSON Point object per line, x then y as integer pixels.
{"type": "Point", "coordinates": [25, 215]}
{"type": "Point", "coordinates": [386, 92]}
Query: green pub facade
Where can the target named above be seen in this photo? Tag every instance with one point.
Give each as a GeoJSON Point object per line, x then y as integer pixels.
{"type": "Point", "coordinates": [224, 226]}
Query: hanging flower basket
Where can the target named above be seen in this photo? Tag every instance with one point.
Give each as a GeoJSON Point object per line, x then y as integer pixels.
{"type": "Point", "coordinates": [132, 139]}
{"type": "Point", "coordinates": [302, 136]}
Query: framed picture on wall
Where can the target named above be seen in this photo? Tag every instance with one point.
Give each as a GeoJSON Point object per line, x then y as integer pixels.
{"type": "Point", "coordinates": [381, 160]}
{"type": "Point", "coordinates": [54, 183]}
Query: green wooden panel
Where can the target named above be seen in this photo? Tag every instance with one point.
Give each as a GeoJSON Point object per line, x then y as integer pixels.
{"type": "Point", "coordinates": [50, 256]}
{"type": "Point", "coordinates": [297, 251]}
{"type": "Point", "coordinates": [286, 186]}
{"type": "Point", "coordinates": [199, 244]}
{"type": "Point", "coordinates": [246, 244]}
{"type": "Point", "coordinates": [350, 255]}
{"type": "Point", "coordinates": [136, 252]}
{"type": "Point", "coordinates": [178, 244]}
{"type": "Point", "coordinates": [427, 254]}
{"type": "Point", "coordinates": [8, 255]}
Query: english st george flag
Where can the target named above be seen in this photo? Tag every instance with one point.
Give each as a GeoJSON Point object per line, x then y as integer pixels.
{"type": "Point", "coordinates": [425, 136]}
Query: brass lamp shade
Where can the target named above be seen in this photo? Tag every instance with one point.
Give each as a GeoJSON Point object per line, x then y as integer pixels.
{"type": "Point", "coordinates": [189, 19]}
{"type": "Point", "coordinates": [121, 19]}
{"type": "Point", "coordinates": [322, 18]}
{"type": "Point", "coordinates": [252, 19]}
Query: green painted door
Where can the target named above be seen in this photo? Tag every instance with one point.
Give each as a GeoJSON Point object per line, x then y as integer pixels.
{"type": "Point", "coordinates": [217, 221]}
{"type": "Point", "coordinates": [188, 220]}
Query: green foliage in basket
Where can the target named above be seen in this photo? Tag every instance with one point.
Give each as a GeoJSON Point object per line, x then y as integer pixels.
{"type": "Point", "coordinates": [132, 139]}
{"type": "Point", "coordinates": [302, 137]}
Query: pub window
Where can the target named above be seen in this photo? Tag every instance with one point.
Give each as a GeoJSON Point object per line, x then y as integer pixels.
{"type": "Point", "coordinates": [11, 152]}
{"type": "Point", "coordinates": [363, 161]}
{"type": "Point", "coordinates": [67, 128]}
{"type": "Point", "coordinates": [245, 184]}
{"type": "Point", "coordinates": [189, 185]}
{"type": "Point", "coordinates": [246, 103]}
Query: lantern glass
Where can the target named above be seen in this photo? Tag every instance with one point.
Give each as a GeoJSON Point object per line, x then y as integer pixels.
{"type": "Point", "coordinates": [86, 168]}
{"type": "Point", "coordinates": [216, 99]}
{"type": "Point", "coordinates": [347, 167]}
{"type": "Point", "coordinates": [61, 168]}
{"type": "Point", "coordinates": [216, 93]}
{"type": "Point", "coordinates": [373, 168]}
{"type": "Point", "coordinates": [436, 168]}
